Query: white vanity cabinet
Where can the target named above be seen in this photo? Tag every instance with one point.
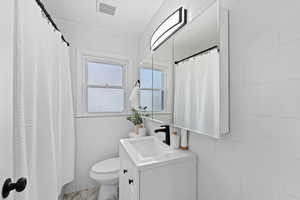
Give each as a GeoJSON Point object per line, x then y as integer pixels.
{"type": "Point", "coordinates": [174, 179]}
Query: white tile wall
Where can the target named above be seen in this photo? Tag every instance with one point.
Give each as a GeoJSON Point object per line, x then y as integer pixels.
{"type": "Point", "coordinates": [260, 159]}
{"type": "Point", "coordinates": [98, 138]}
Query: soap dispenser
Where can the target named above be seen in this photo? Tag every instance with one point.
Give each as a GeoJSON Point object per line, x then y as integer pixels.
{"type": "Point", "coordinates": [184, 139]}
{"type": "Point", "coordinates": [175, 139]}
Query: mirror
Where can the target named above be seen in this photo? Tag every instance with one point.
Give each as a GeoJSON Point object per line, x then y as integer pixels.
{"type": "Point", "coordinates": [190, 76]}
{"type": "Point", "coordinates": [162, 93]}
{"type": "Point", "coordinates": [156, 88]}
{"type": "Point", "coordinates": [201, 74]}
{"type": "Point", "coordinates": [145, 77]}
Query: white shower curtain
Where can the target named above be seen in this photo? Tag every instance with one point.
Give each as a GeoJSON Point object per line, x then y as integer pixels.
{"type": "Point", "coordinates": [196, 96]}
{"type": "Point", "coordinates": [44, 126]}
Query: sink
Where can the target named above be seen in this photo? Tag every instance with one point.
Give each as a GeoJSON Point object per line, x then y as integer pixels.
{"type": "Point", "coordinates": [150, 147]}
{"type": "Point", "coordinates": [146, 151]}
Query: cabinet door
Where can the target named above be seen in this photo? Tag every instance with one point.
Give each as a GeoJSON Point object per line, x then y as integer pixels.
{"type": "Point", "coordinates": [124, 187]}
{"type": "Point", "coordinates": [129, 179]}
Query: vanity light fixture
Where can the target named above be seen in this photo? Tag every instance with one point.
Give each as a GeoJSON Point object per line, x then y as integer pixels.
{"type": "Point", "coordinates": [168, 27]}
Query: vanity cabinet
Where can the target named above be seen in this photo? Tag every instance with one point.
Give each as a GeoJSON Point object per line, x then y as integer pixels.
{"type": "Point", "coordinates": [173, 180]}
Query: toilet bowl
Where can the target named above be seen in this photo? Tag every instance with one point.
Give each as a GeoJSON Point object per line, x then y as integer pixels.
{"type": "Point", "coordinates": [106, 173]}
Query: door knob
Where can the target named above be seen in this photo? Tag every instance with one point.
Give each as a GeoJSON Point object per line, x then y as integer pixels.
{"type": "Point", "coordinates": [8, 186]}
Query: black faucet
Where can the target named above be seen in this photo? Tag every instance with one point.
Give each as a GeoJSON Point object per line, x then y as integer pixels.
{"type": "Point", "coordinates": [165, 129]}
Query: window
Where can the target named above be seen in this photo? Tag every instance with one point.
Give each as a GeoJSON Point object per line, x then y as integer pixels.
{"type": "Point", "coordinates": [152, 99]}
{"type": "Point", "coordinates": [105, 88]}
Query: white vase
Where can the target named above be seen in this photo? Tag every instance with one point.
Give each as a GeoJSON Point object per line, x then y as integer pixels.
{"type": "Point", "coordinates": [137, 127]}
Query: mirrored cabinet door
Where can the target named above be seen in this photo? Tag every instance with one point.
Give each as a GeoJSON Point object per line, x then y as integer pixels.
{"type": "Point", "coordinates": [146, 85]}
{"type": "Point", "coordinates": [201, 98]}
{"type": "Point", "coordinates": [162, 93]}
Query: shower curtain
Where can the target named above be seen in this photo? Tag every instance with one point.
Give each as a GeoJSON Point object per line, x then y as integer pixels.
{"type": "Point", "coordinates": [196, 96]}
{"type": "Point", "coordinates": [44, 126]}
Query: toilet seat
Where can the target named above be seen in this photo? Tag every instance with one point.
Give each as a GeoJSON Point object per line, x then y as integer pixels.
{"type": "Point", "coordinates": [107, 166]}
{"type": "Point", "coordinates": [106, 171]}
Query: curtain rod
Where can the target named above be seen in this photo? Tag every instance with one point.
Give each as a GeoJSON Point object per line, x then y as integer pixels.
{"type": "Point", "coordinates": [41, 5]}
{"type": "Point", "coordinates": [196, 54]}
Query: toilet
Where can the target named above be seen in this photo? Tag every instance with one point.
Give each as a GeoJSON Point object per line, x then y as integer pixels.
{"type": "Point", "coordinates": [106, 174]}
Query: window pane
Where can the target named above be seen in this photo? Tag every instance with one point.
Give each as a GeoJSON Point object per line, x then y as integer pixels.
{"type": "Point", "coordinates": [157, 79]}
{"type": "Point", "coordinates": [105, 74]}
{"type": "Point", "coordinates": [146, 99]}
{"type": "Point", "coordinates": [146, 78]}
{"type": "Point", "coordinates": [158, 104]}
{"type": "Point", "coordinates": [105, 100]}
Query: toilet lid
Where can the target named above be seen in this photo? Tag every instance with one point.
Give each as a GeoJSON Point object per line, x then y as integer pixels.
{"type": "Point", "coordinates": [107, 166]}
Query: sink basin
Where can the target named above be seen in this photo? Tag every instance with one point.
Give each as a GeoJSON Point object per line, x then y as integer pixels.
{"type": "Point", "coordinates": [147, 151]}
{"type": "Point", "coordinates": [150, 147]}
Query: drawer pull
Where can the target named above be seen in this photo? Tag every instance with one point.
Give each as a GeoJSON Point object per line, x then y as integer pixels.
{"type": "Point", "coordinates": [130, 181]}
{"type": "Point", "coordinates": [125, 171]}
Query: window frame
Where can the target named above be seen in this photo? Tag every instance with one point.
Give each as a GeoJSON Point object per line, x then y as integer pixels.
{"type": "Point", "coordinates": [164, 88]}
{"type": "Point", "coordinates": [85, 85]}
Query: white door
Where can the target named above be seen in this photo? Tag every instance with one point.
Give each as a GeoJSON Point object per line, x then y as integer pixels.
{"type": "Point", "coordinates": [6, 91]}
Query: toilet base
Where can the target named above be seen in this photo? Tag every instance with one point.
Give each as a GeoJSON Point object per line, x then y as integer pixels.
{"type": "Point", "coordinates": [108, 192]}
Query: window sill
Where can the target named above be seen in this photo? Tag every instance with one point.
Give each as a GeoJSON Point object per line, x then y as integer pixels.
{"type": "Point", "coordinates": [162, 113]}
{"type": "Point", "coordinates": [100, 115]}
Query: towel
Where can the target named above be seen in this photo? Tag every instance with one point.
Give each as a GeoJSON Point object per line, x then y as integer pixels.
{"type": "Point", "coordinates": [135, 98]}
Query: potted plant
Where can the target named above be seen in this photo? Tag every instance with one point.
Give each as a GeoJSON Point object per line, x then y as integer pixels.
{"type": "Point", "coordinates": [137, 120]}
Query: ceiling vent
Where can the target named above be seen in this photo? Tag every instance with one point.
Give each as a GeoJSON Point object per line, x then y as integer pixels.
{"type": "Point", "coordinates": [106, 8]}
